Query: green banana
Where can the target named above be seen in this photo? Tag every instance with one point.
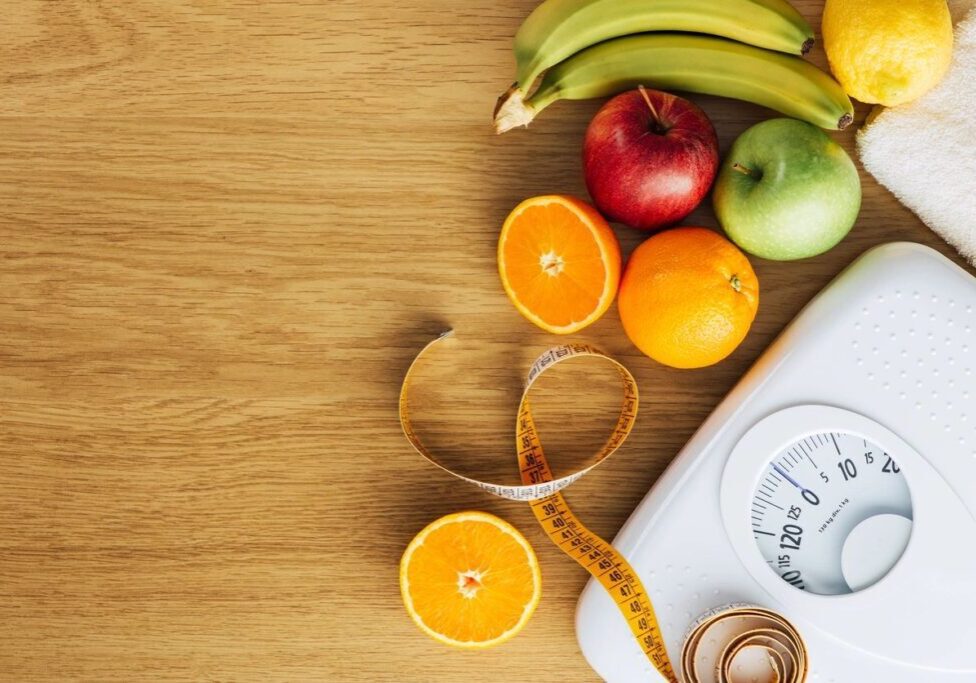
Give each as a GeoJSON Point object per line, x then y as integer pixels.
{"type": "Point", "coordinates": [677, 61]}
{"type": "Point", "coordinates": [558, 29]}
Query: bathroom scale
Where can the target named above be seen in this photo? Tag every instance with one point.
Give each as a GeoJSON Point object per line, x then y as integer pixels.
{"type": "Point", "coordinates": [834, 486]}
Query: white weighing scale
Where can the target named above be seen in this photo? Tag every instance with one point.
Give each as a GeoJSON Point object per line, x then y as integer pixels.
{"type": "Point", "coordinates": [835, 485]}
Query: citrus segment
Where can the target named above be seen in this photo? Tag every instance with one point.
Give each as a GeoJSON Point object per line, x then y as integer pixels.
{"type": "Point", "coordinates": [559, 262]}
{"type": "Point", "coordinates": [470, 580]}
{"type": "Point", "coordinates": [688, 297]}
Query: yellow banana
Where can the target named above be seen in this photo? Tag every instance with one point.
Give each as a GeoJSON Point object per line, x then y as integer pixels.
{"type": "Point", "coordinates": [674, 61]}
{"type": "Point", "coordinates": [558, 29]}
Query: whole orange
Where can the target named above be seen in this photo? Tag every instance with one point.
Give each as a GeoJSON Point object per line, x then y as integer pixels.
{"type": "Point", "coordinates": [688, 297]}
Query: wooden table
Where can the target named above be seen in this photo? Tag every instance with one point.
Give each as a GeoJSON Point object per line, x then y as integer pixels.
{"type": "Point", "coordinates": [226, 227]}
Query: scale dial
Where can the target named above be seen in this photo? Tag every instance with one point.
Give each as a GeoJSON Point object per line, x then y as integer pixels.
{"type": "Point", "coordinates": [831, 513]}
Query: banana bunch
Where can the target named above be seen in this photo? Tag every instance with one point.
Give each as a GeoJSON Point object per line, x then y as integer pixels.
{"type": "Point", "coordinates": [588, 48]}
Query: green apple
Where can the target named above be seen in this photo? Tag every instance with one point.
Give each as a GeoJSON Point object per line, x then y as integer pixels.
{"type": "Point", "coordinates": [787, 191]}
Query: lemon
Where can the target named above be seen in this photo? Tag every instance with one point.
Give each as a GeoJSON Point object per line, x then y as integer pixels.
{"type": "Point", "coordinates": [887, 51]}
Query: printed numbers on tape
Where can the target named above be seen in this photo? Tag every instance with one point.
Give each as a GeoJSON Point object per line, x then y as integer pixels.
{"type": "Point", "coordinates": [542, 492]}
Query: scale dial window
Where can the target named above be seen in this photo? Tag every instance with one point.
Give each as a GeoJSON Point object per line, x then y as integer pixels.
{"type": "Point", "coordinates": [831, 513]}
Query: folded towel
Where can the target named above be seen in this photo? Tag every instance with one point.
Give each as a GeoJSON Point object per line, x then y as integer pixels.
{"type": "Point", "coordinates": [925, 151]}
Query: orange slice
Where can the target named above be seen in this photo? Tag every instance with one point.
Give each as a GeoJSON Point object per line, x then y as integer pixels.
{"type": "Point", "coordinates": [559, 262]}
{"type": "Point", "coordinates": [470, 580]}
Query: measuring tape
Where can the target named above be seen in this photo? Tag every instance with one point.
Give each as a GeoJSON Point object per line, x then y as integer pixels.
{"type": "Point", "coordinates": [743, 642]}
{"type": "Point", "coordinates": [539, 488]}
{"type": "Point", "coordinates": [591, 552]}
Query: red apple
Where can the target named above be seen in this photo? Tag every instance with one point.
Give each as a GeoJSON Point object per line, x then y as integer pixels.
{"type": "Point", "coordinates": [649, 158]}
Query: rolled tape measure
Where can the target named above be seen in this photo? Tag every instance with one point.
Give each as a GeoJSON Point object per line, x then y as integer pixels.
{"type": "Point", "coordinates": [743, 643]}
{"type": "Point", "coordinates": [598, 557]}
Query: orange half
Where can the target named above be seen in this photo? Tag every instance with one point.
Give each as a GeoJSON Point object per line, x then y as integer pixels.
{"type": "Point", "coordinates": [470, 580]}
{"type": "Point", "coordinates": [559, 262]}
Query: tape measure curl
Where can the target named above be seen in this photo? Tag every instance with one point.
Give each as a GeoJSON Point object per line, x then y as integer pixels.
{"type": "Point", "coordinates": [535, 485]}
{"type": "Point", "coordinates": [598, 557]}
{"type": "Point", "coordinates": [541, 491]}
{"type": "Point", "coordinates": [740, 643]}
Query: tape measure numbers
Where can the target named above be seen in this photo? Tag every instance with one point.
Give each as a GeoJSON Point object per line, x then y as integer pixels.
{"type": "Point", "coordinates": [541, 490]}
{"type": "Point", "coordinates": [749, 630]}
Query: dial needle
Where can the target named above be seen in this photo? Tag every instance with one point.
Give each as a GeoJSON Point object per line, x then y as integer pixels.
{"type": "Point", "coordinates": [781, 472]}
{"type": "Point", "coordinates": [807, 494]}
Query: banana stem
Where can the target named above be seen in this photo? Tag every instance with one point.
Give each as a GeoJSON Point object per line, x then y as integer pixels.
{"type": "Point", "coordinates": [511, 110]}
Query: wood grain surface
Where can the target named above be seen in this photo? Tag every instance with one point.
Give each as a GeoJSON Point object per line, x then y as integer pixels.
{"type": "Point", "coordinates": [226, 227]}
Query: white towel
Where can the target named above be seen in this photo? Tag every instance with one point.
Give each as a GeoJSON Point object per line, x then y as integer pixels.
{"type": "Point", "coordinates": [925, 151]}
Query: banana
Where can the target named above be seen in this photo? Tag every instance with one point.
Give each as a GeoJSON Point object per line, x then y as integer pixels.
{"type": "Point", "coordinates": [676, 61]}
{"type": "Point", "coordinates": [558, 29]}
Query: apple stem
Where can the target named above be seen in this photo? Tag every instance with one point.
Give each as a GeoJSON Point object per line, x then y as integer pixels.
{"type": "Point", "coordinates": [745, 170]}
{"type": "Point", "coordinates": [643, 92]}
